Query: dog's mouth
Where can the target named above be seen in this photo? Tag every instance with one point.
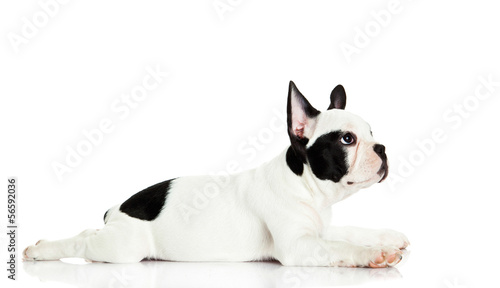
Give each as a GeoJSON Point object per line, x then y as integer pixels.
{"type": "Point", "coordinates": [359, 182]}
{"type": "Point", "coordinates": [382, 173]}
{"type": "Point", "coordinates": [362, 182]}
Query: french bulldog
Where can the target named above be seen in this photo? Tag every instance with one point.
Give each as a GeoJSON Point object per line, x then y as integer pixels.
{"type": "Point", "coordinates": [278, 211]}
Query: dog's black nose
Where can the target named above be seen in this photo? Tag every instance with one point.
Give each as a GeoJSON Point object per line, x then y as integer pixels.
{"type": "Point", "coordinates": [380, 150]}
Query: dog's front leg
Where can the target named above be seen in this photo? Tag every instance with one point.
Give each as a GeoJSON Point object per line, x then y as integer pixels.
{"type": "Point", "coordinates": [366, 236]}
{"type": "Point", "coordinates": [315, 251]}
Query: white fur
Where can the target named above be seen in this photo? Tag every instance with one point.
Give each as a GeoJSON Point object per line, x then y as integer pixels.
{"type": "Point", "coordinates": [264, 213]}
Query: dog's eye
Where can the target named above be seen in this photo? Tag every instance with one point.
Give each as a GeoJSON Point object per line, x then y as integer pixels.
{"type": "Point", "coordinates": [348, 139]}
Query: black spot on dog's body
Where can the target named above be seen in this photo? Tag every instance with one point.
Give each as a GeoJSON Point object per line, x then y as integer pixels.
{"type": "Point", "coordinates": [328, 158]}
{"type": "Point", "coordinates": [148, 203]}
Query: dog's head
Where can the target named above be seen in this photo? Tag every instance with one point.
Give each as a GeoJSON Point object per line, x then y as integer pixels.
{"type": "Point", "coordinates": [334, 145]}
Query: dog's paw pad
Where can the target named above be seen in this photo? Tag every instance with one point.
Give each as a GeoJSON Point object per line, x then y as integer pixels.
{"type": "Point", "coordinates": [387, 257]}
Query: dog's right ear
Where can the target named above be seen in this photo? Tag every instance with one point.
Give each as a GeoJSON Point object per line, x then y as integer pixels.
{"type": "Point", "coordinates": [301, 121]}
{"type": "Point", "coordinates": [337, 98]}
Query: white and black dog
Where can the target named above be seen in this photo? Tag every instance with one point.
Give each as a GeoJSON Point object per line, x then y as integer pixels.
{"type": "Point", "coordinates": [280, 210]}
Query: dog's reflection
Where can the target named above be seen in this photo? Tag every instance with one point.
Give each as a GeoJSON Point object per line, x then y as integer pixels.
{"type": "Point", "coordinates": [189, 274]}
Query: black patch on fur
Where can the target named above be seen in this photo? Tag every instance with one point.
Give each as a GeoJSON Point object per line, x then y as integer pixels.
{"type": "Point", "coordinates": [294, 162]}
{"type": "Point", "coordinates": [148, 203]}
{"type": "Point", "coordinates": [328, 158]}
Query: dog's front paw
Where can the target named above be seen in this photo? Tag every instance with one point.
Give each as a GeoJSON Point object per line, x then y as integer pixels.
{"type": "Point", "coordinates": [382, 257]}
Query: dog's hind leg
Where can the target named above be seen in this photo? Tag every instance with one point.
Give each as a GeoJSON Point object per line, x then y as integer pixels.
{"type": "Point", "coordinates": [55, 250]}
{"type": "Point", "coordinates": [118, 242]}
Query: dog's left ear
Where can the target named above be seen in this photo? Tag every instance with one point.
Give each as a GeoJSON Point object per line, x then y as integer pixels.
{"type": "Point", "coordinates": [301, 121]}
{"type": "Point", "coordinates": [300, 114]}
{"type": "Point", "coordinates": [337, 98]}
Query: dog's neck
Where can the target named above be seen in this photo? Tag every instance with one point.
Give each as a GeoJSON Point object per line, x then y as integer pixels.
{"type": "Point", "coordinates": [323, 193]}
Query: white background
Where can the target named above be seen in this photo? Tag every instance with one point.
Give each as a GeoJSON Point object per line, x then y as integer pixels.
{"type": "Point", "coordinates": [227, 83]}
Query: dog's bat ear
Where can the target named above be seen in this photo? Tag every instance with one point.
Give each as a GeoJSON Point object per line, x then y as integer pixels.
{"type": "Point", "coordinates": [301, 121]}
{"type": "Point", "coordinates": [337, 98]}
{"type": "Point", "coordinates": [300, 114]}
